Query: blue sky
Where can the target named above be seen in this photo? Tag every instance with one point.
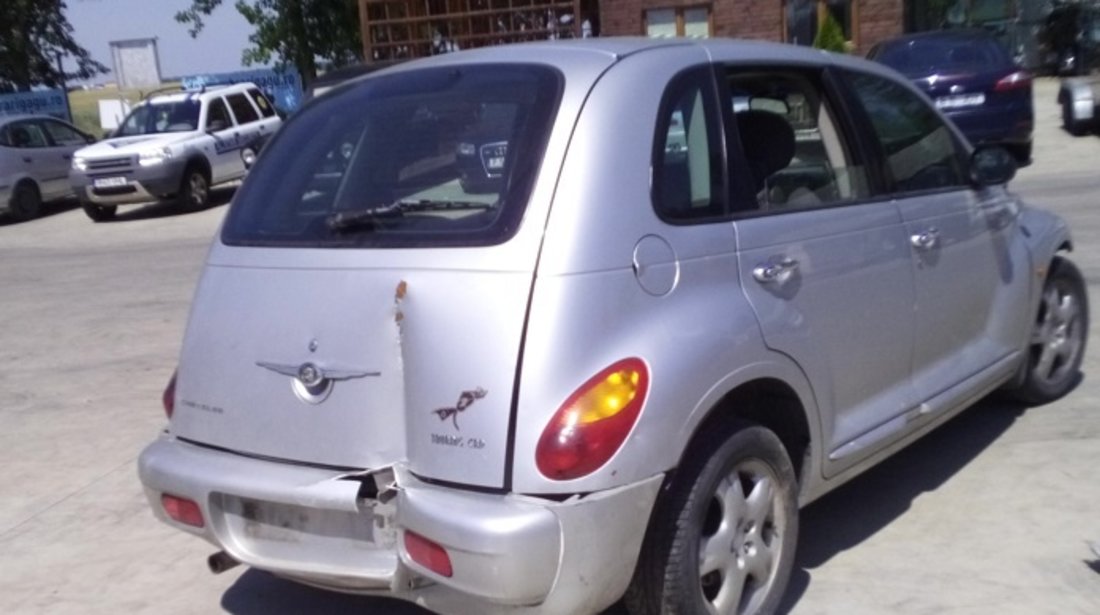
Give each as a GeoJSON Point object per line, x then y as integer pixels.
{"type": "Point", "coordinates": [217, 49]}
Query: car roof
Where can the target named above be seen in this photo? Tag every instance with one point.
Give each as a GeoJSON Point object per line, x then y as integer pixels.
{"type": "Point", "coordinates": [7, 119]}
{"type": "Point", "coordinates": [207, 92]}
{"type": "Point", "coordinates": [941, 35]}
{"type": "Point", "coordinates": [602, 50]}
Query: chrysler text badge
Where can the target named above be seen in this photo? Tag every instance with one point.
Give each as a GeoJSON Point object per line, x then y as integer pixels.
{"type": "Point", "coordinates": [313, 383]}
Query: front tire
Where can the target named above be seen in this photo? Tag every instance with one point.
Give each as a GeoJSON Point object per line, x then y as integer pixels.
{"type": "Point", "coordinates": [99, 213]}
{"type": "Point", "coordinates": [722, 540]}
{"type": "Point", "coordinates": [1058, 337]}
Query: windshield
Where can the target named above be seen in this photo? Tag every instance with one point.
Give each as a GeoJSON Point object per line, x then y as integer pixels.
{"type": "Point", "coordinates": [152, 118]}
{"type": "Point", "coordinates": [915, 58]}
{"type": "Point", "coordinates": [421, 158]}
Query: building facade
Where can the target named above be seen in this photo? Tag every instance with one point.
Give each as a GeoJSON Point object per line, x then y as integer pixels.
{"type": "Point", "coordinates": [864, 22]}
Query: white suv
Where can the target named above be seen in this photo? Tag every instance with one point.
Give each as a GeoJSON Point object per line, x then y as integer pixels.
{"type": "Point", "coordinates": [174, 146]}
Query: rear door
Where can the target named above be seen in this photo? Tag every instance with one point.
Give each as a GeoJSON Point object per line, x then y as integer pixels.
{"type": "Point", "coordinates": [825, 265]}
{"type": "Point", "coordinates": [970, 272]}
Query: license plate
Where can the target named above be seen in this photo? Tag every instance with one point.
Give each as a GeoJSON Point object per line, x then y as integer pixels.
{"type": "Point", "coordinates": [109, 182]}
{"type": "Point", "coordinates": [961, 101]}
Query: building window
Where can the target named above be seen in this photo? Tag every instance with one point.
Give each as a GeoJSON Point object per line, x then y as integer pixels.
{"type": "Point", "coordinates": [692, 22]}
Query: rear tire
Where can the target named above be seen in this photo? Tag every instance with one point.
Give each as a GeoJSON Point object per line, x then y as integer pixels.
{"type": "Point", "coordinates": [1058, 337]}
{"type": "Point", "coordinates": [723, 537]}
{"type": "Point", "coordinates": [99, 213]}
{"type": "Point", "coordinates": [194, 194]}
{"type": "Point", "coordinates": [26, 202]}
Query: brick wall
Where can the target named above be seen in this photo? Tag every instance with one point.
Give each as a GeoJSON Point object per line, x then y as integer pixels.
{"type": "Point", "coordinates": [757, 19]}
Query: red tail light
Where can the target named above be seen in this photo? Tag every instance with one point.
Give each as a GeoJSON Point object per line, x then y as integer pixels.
{"type": "Point", "coordinates": [428, 554]}
{"type": "Point", "coordinates": [1018, 80]}
{"type": "Point", "coordinates": [168, 398]}
{"type": "Point", "coordinates": [182, 510]}
{"type": "Point", "coordinates": [593, 422]}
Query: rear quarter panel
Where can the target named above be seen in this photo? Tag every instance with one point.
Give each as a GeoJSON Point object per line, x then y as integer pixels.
{"type": "Point", "coordinates": [588, 310]}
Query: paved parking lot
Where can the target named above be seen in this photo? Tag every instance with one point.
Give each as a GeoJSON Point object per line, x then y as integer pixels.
{"type": "Point", "coordinates": [988, 515]}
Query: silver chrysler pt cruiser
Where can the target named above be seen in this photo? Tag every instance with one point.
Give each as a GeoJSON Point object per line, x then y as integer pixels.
{"type": "Point", "coordinates": [533, 328]}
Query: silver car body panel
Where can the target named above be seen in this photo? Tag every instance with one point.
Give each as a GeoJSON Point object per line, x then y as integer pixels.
{"type": "Point", "coordinates": [445, 365]}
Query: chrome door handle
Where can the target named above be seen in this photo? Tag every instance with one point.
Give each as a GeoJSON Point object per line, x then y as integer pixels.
{"type": "Point", "coordinates": [775, 271]}
{"type": "Point", "coordinates": [926, 240]}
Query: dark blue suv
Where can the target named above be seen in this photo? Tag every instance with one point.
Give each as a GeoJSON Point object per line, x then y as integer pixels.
{"type": "Point", "coordinates": [972, 79]}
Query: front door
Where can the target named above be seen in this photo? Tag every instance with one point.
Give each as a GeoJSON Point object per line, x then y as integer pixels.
{"type": "Point", "coordinates": [970, 277]}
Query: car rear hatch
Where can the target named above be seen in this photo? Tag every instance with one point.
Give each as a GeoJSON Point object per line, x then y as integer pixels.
{"type": "Point", "coordinates": [972, 80]}
{"type": "Point", "coordinates": [362, 308]}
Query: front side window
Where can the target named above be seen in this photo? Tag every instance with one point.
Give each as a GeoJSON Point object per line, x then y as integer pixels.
{"type": "Point", "coordinates": [687, 166]}
{"type": "Point", "coordinates": [62, 134]}
{"type": "Point", "coordinates": [795, 154]}
{"type": "Point", "coordinates": [919, 149]}
{"type": "Point", "coordinates": [432, 157]}
{"type": "Point", "coordinates": [176, 115]}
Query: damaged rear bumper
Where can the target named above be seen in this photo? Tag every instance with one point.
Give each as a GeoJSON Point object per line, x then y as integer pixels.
{"type": "Point", "coordinates": [343, 531]}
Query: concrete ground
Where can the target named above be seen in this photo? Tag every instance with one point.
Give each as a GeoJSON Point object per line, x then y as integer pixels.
{"type": "Point", "coordinates": [988, 515]}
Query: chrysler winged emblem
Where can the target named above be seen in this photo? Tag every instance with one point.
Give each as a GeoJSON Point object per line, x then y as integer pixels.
{"type": "Point", "coordinates": [312, 383]}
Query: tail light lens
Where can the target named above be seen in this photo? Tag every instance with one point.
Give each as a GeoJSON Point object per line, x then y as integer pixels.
{"type": "Point", "coordinates": [168, 398]}
{"type": "Point", "coordinates": [428, 554]}
{"type": "Point", "coordinates": [1018, 80]}
{"type": "Point", "coordinates": [593, 422]}
{"type": "Point", "coordinates": [182, 510]}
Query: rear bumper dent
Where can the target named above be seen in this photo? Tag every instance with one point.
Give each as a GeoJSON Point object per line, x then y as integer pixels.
{"type": "Point", "coordinates": [509, 553]}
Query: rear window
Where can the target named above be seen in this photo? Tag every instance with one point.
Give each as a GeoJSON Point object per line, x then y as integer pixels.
{"type": "Point", "coordinates": [943, 56]}
{"type": "Point", "coordinates": [433, 157]}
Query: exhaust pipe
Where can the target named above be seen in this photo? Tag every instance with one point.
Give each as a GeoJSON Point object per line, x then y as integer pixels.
{"type": "Point", "coordinates": [220, 562]}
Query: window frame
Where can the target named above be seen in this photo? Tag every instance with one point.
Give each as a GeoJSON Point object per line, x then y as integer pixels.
{"type": "Point", "coordinates": [247, 101]}
{"type": "Point", "coordinates": [744, 204]}
{"type": "Point", "coordinates": [886, 185]}
{"type": "Point", "coordinates": [225, 107]}
{"type": "Point", "coordinates": [678, 14]}
{"type": "Point", "coordinates": [702, 76]}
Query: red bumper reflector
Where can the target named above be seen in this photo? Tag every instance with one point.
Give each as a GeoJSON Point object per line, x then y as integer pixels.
{"type": "Point", "coordinates": [182, 510]}
{"type": "Point", "coordinates": [428, 554]}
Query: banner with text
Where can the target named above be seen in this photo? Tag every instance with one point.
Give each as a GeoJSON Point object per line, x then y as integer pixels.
{"type": "Point", "coordinates": [46, 102]}
{"type": "Point", "coordinates": [283, 87]}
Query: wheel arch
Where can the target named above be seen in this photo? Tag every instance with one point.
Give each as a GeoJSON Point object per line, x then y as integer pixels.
{"type": "Point", "coordinates": [200, 161]}
{"type": "Point", "coordinates": [776, 396]}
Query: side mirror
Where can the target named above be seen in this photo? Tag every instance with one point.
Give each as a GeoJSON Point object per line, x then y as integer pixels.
{"type": "Point", "coordinates": [216, 126]}
{"type": "Point", "coordinates": [992, 165]}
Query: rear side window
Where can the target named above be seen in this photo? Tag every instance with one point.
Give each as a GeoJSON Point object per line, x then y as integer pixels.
{"type": "Point", "coordinates": [688, 162]}
{"type": "Point", "coordinates": [262, 103]}
{"type": "Point", "coordinates": [433, 157]}
{"type": "Point", "coordinates": [242, 109]}
{"type": "Point", "coordinates": [919, 149]}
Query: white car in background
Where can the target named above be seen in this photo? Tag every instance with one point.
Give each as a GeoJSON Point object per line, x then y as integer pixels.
{"type": "Point", "coordinates": [35, 153]}
{"type": "Point", "coordinates": [174, 146]}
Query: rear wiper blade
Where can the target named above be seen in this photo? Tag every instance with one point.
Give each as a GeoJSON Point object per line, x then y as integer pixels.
{"type": "Point", "coordinates": [358, 218]}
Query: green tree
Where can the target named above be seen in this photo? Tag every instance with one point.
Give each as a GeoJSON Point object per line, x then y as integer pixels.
{"type": "Point", "coordinates": [830, 36]}
{"type": "Point", "coordinates": [34, 34]}
{"type": "Point", "coordinates": [296, 32]}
